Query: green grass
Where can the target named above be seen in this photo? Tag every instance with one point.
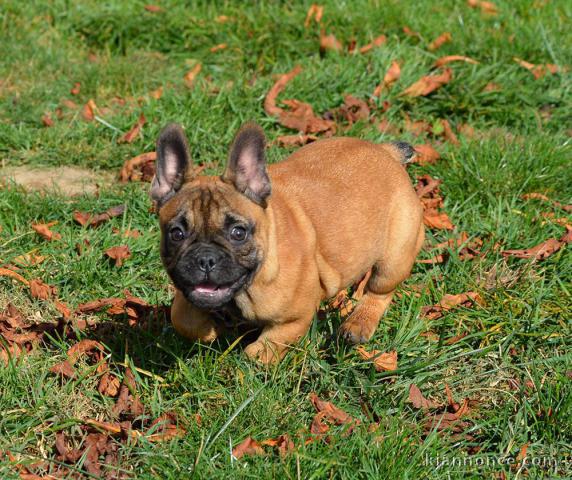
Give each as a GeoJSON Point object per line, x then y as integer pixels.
{"type": "Point", "coordinates": [522, 331]}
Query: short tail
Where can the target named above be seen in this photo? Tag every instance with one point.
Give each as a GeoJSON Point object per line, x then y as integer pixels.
{"type": "Point", "coordinates": [405, 152]}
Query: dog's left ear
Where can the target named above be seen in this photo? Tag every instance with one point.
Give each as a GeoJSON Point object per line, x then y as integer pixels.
{"type": "Point", "coordinates": [246, 168]}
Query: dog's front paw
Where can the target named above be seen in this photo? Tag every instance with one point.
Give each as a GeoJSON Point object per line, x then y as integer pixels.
{"type": "Point", "coordinates": [263, 352]}
{"type": "Point", "coordinates": [357, 330]}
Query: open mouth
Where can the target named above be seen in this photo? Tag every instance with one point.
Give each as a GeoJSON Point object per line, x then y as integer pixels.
{"type": "Point", "coordinates": [211, 289]}
{"type": "Point", "coordinates": [210, 295]}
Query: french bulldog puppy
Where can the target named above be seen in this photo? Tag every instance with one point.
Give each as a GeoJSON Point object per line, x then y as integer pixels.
{"type": "Point", "coordinates": [266, 244]}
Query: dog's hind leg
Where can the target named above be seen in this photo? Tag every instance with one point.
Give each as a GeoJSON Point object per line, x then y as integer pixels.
{"type": "Point", "coordinates": [387, 274]}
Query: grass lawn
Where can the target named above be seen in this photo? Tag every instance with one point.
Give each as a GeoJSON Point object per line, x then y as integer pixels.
{"type": "Point", "coordinates": [509, 354]}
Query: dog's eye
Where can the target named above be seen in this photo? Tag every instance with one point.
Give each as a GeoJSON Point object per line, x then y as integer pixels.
{"type": "Point", "coordinates": [177, 234]}
{"type": "Point", "coordinates": [238, 234]}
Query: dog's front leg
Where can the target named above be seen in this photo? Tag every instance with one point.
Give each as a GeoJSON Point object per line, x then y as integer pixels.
{"type": "Point", "coordinates": [191, 322]}
{"type": "Point", "coordinates": [273, 342]}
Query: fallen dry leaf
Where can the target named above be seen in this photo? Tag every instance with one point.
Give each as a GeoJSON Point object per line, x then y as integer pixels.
{"type": "Point", "coordinates": [544, 198]}
{"type": "Point", "coordinates": [425, 154]}
{"type": "Point", "coordinates": [466, 130]}
{"type": "Point", "coordinates": [342, 303]}
{"type": "Point", "coordinates": [283, 443]}
{"type": "Point", "coordinates": [128, 402]}
{"type": "Point", "coordinates": [354, 109]}
{"type": "Point", "coordinates": [64, 369]}
{"type": "Point", "coordinates": [386, 127]}
{"type": "Point", "coordinates": [427, 186]}
{"type": "Point", "coordinates": [47, 120]}
{"type": "Point", "coordinates": [118, 253]}
{"type": "Point", "coordinates": [135, 130]}
{"type": "Point", "coordinates": [295, 140]}
{"type": "Point", "coordinates": [94, 220]}
{"type": "Point", "coordinates": [383, 362]}
{"type": "Point", "coordinates": [448, 302]}
{"type": "Point", "coordinates": [6, 272]}
{"type": "Point", "coordinates": [248, 446]}
{"type": "Point", "coordinates": [270, 106]}
{"type": "Point", "coordinates": [440, 41]}
{"type": "Point", "coordinates": [488, 8]}
{"type": "Point", "coordinates": [454, 58]}
{"type": "Point", "coordinates": [218, 48]}
{"type": "Point", "coordinates": [318, 425]}
{"type": "Point", "coordinates": [41, 290]}
{"type": "Point", "coordinates": [448, 132]}
{"type": "Point", "coordinates": [76, 88]}
{"type": "Point", "coordinates": [428, 84]}
{"type": "Point", "coordinates": [28, 259]}
{"type": "Point", "coordinates": [410, 33]}
{"type": "Point", "coordinates": [89, 110]}
{"type": "Point", "coordinates": [43, 229]}
{"type": "Point", "coordinates": [376, 42]}
{"type": "Point", "coordinates": [301, 117]}
{"type": "Point", "coordinates": [437, 220]}
{"type": "Point", "coordinates": [418, 400]}
{"type": "Point", "coordinates": [157, 93]}
{"type": "Point", "coordinates": [542, 250]}
{"type": "Point", "coordinates": [330, 42]}
{"type": "Point", "coordinates": [391, 76]}
{"type": "Point", "coordinates": [333, 413]}
{"type": "Point", "coordinates": [492, 87]}
{"type": "Point", "coordinates": [153, 8]}
{"type": "Point", "coordinates": [139, 168]}
{"type": "Point", "coordinates": [164, 429]}
{"type": "Point", "coordinates": [538, 71]}
{"type": "Point", "coordinates": [108, 385]}
{"type": "Point", "coordinates": [191, 75]}
{"type": "Point", "coordinates": [315, 12]}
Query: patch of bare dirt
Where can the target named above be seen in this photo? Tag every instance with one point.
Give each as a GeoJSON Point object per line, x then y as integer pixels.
{"type": "Point", "coordinates": [68, 180]}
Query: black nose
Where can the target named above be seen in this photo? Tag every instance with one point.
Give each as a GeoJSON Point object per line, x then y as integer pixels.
{"type": "Point", "coordinates": [207, 261]}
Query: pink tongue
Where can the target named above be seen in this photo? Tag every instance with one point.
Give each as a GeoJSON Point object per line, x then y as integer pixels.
{"type": "Point", "coordinates": [205, 288]}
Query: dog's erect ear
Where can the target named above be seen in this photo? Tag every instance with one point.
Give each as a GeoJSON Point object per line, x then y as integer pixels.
{"type": "Point", "coordinates": [246, 168]}
{"type": "Point", "coordinates": [173, 163]}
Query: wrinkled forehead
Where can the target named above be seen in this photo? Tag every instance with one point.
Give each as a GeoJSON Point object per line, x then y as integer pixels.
{"type": "Point", "coordinates": [206, 207]}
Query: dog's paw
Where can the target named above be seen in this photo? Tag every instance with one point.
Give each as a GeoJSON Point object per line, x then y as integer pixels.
{"type": "Point", "coordinates": [263, 352]}
{"type": "Point", "coordinates": [355, 330]}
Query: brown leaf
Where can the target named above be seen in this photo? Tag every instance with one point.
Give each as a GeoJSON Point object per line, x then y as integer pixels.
{"type": "Point", "coordinates": [157, 93]}
{"type": "Point", "coordinates": [427, 186]}
{"type": "Point", "coordinates": [118, 253]}
{"type": "Point", "coordinates": [354, 109]}
{"type": "Point", "coordinates": [437, 220]}
{"type": "Point", "coordinates": [418, 400]}
{"type": "Point", "coordinates": [360, 288]}
{"type": "Point", "coordinates": [391, 76]}
{"type": "Point", "coordinates": [98, 305]}
{"type": "Point", "coordinates": [43, 229]}
{"type": "Point", "coordinates": [191, 75]}
{"type": "Point", "coordinates": [295, 140]}
{"type": "Point", "coordinates": [377, 41]}
{"type": "Point", "coordinates": [448, 302]}
{"type": "Point", "coordinates": [283, 443]}
{"type": "Point", "coordinates": [218, 48]}
{"type": "Point", "coordinates": [492, 87]}
{"type": "Point", "coordinates": [454, 58]}
{"type": "Point", "coordinates": [65, 369]}
{"type": "Point", "coordinates": [448, 133]}
{"type": "Point", "coordinates": [164, 429]}
{"type": "Point", "coordinates": [330, 42]}
{"type": "Point", "coordinates": [342, 303]}
{"type": "Point", "coordinates": [428, 84]}
{"type": "Point", "coordinates": [135, 130]}
{"type": "Point", "coordinates": [410, 33]}
{"type": "Point", "coordinates": [94, 220]}
{"type": "Point", "coordinates": [47, 120]}
{"type": "Point", "coordinates": [466, 130]}
{"type": "Point", "coordinates": [314, 12]}
{"type": "Point", "coordinates": [108, 385]}
{"type": "Point", "coordinates": [28, 259]}
{"type": "Point", "coordinates": [140, 162]}
{"type": "Point", "coordinates": [6, 272]}
{"type": "Point", "coordinates": [538, 71]}
{"type": "Point", "coordinates": [270, 101]}
{"type": "Point", "coordinates": [544, 198]}
{"type": "Point", "coordinates": [247, 447]}
{"type": "Point", "coordinates": [538, 252]}
{"type": "Point", "coordinates": [83, 347]}
{"type": "Point", "coordinates": [41, 290]}
{"type": "Point", "coordinates": [488, 8]}
{"type": "Point", "coordinates": [383, 362]}
{"type": "Point", "coordinates": [128, 401]}
{"type": "Point", "coordinates": [318, 426]}
{"type": "Point", "coordinates": [63, 308]}
{"type": "Point", "coordinates": [76, 88]}
{"type": "Point", "coordinates": [333, 413]}
{"type": "Point", "coordinates": [153, 8]}
{"type": "Point", "coordinates": [426, 154]}
{"type": "Point", "coordinates": [440, 41]}
{"type": "Point", "coordinates": [386, 127]}
{"type": "Point", "coordinates": [89, 110]}
{"type": "Point", "coordinates": [301, 117]}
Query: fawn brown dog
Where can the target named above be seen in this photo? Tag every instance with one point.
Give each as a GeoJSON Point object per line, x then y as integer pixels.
{"type": "Point", "coordinates": [266, 245]}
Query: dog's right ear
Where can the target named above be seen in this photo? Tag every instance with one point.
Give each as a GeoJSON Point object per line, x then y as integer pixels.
{"type": "Point", "coordinates": [172, 165]}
